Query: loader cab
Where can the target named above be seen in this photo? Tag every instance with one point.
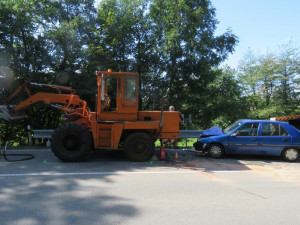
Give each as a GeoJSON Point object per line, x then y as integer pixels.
{"type": "Point", "coordinates": [117, 96]}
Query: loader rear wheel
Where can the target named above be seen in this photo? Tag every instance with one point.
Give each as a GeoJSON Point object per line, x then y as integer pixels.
{"type": "Point", "coordinates": [139, 147]}
{"type": "Point", "coordinates": [72, 142]}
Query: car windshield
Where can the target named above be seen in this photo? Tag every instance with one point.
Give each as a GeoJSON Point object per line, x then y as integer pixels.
{"type": "Point", "coordinates": [232, 127]}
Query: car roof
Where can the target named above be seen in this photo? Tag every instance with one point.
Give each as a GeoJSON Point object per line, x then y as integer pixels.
{"type": "Point", "coordinates": [262, 121]}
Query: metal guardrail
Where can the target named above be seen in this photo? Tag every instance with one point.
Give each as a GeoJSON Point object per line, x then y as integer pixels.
{"type": "Point", "coordinates": [42, 133]}
{"type": "Point", "coordinates": [182, 133]}
{"type": "Point", "coordinates": [189, 133]}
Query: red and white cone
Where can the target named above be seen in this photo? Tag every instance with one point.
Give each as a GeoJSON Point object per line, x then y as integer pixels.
{"type": "Point", "coordinates": [176, 155]}
{"type": "Point", "coordinates": [162, 153]}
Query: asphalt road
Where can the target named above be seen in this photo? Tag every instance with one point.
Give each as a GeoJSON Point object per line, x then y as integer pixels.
{"type": "Point", "coordinates": [108, 189]}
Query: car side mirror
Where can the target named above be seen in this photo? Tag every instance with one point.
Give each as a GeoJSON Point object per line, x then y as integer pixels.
{"type": "Point", "coordinates": [234, 134]}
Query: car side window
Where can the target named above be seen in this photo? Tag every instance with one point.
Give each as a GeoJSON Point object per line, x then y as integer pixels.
{"type": "Point", "coordinates": [249, 129]}
{"type": "Point", "coordinates": [283, 132]}
{"type": "Point", "coordinates": [271, 129]}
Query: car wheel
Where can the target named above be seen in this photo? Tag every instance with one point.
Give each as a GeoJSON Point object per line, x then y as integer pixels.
{"type": "Point", "coordinates": [216, 151]}
{"type": "Point", "coordinates": [290, 154]}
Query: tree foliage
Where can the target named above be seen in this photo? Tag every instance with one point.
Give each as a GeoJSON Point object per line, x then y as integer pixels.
{"type": "Point", "coordinates": [188, 50]}
{"type": "Point", "coordinates": [271, 82]}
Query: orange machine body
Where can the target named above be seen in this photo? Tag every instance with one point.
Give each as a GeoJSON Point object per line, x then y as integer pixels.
{"type": "Point", "coordinates": [112, 125]}
{"type": "Point", "coordinates": [117, 114]}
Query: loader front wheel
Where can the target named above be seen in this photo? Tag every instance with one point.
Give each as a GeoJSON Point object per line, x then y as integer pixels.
{"type": "Point", "coordinates": [72, 142]}
{"type": "Point", "coordinates": [139, 147]}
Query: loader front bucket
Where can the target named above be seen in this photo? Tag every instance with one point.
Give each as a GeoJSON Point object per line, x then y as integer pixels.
{"type": "Point", "coordinates": [7, 113]}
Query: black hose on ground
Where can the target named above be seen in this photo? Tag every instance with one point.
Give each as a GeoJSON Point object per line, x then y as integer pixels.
{"type": "Point", "coordinates": [27, 156]}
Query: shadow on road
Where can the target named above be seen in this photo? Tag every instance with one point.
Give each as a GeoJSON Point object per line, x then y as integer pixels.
{"type": "Point", "coordinates": [59, 200]}
{"type": "Point", "coordinates": [28, 196]}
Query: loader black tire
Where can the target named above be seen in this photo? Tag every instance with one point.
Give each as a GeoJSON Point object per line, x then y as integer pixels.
{"type": "Point", "coordinates": [72, 142]}
{"type": "Point", "coordinates": [139, 147]}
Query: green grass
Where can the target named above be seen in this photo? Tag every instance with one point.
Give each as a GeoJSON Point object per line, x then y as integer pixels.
{"type": "Point", "coordinates": [189, 143]}
{"type": "Point", "coordinates": [182, 143]}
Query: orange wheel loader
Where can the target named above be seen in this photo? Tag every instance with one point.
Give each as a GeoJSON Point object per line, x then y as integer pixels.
{"type": "Point", "coordinates": [116, 123]}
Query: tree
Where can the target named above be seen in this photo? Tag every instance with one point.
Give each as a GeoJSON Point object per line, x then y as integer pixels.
{"type": "Point", "coordinates": [288, 73]}
{"type": "Point", "coordinates": [188, 51]}
{"type": "Point", "coordinates": [268, 68]}
{"type": "Point", "coordinates": [45, 42]}
{"type": "Point", "coordinates": [22, 54]}
{"type": "Point", "coordinates": [248, 73]}
{"type": "Point", "coordinates": [270, 82]}
{"type": "Point", "coordinates": [226, 103]}
{"type": "Point", "coordinates": [121, 34]}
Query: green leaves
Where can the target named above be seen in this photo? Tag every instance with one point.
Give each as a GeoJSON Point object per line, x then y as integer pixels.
{"type": "Point", "coordinates": [188, 52]}
{"type": "Point", "coordinates": [270, 82]}
{"type": "Point", "coordinates": [41, 39]}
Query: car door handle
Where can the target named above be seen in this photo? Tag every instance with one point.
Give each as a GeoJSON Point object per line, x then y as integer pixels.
{"type": "Point", "coordinates": [253, 139]}
{"type": "Point", "coordinates": [285, 139]}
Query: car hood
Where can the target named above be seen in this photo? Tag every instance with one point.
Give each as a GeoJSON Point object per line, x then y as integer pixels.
{"type": "Point", "coordinates": [213, 131]}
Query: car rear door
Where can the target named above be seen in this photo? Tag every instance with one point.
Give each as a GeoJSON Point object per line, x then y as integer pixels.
{"type": "Point", "coordinates": [273, 139]}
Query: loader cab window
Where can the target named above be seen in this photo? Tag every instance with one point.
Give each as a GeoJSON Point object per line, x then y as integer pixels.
{"type": "Point", "coordinates": [109, 92]}
{"type": "Point", "coordinates": [130, 88]}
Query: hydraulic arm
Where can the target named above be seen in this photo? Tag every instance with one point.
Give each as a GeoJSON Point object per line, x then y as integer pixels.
{"type": "Point", "coordinates": [65, 99]}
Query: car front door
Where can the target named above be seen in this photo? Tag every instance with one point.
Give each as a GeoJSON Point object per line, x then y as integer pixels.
{"type": "Point", "coordinates": [244, 139]}
{"type": "Point", "coordinates": [273, 139]}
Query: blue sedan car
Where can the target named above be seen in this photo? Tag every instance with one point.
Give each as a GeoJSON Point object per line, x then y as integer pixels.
{"type": "Point", "coordinates": [253, 137]}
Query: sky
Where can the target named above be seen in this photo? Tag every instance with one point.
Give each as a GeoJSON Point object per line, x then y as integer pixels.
{"type": "Point", "coordinates": [261, 25]}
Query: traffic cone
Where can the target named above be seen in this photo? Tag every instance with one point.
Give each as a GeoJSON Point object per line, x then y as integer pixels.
{"type": "Point", "coordinates": [176, 155]}
{"type": "Point", "coordinates": [162, 153]}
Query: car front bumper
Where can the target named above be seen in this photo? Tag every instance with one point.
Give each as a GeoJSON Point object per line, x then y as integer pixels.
{"type": "Point", "coordinates": [200, 146]}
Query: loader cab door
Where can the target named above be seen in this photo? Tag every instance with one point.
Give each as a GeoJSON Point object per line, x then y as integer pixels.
{"type": "Point", "coordinates": [108, 96]}
{"type": "Point", "coordinates": [128, 94]}
{"type": "Point", "coordinates": [117, 92]}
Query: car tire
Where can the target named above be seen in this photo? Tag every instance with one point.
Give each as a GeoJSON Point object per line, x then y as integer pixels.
{"type": "Point", "coordinates": [139, 147]}
{"type": "Point", "coordinates": [291, 154]}
{"type": "Point", "coordinates": [216, 151]}
{"type": "Point", "coordinates": [72, 142]}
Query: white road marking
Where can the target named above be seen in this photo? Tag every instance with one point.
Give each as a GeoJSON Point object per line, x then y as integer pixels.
{"type": "Point", "coordinates": [241, 171]}
{"type": "Point", "coordinates": [98, 173]}
{"type": "Point", "coordinates": [129, 173]}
